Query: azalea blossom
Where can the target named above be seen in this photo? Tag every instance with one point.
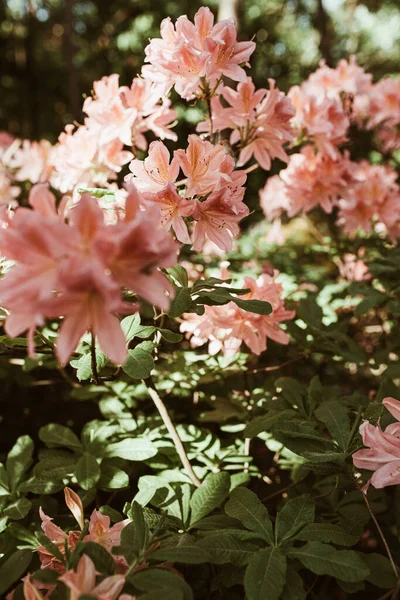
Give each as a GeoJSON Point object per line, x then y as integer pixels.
{"type": "Point", "coordinates": [383, 449]}
{"type": "Point", "coordinates": [226, 327]}
{"type": "Point", "coordinates": [82, 581]}
{"type": "Point", "coordinates": [374, 196]}
{"type": "Point", "coordinates": [347, 77]}
{"type": "Point", "coordinates": [217, 220]}
{"type": "Point", "coordinates": [156, 171]}
{"type": "Point", "coordinates": [86, 262]}
{"type": "Point", "coordinates": [321, 119]}
{"type": "Point", "coordinates": [191, 55]}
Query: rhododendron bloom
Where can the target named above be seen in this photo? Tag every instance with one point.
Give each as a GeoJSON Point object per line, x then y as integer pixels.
{"type": "Point", "coordinates": [217, 220]}
{"type": "Point", "coordinates": [310, 179]}
{"type": "Point", "coordinates": [385, 102]}
{"type": "Point", "coordinates": [201, 163]}
{"type": "Point", "coordinates": [321, 118]}
{"type": "Point", "coordinates": [190, 52]}
{"type": "Point", "coordinates": [82, 581]}
{"type": "Point", "coordinates": [86, 262]}
{"type": "Point", "coordinates": [227, 327]}
{"type": "Point", "coordinates": [173, 208]}
{"type": "Point", "coordinates": [101, 532]}
{"type": "Point", "coordinates": [156, 171]}
{"type": "Point", "coordinates": [33, 161]}
{"type": "Point", "coordinates": [347, 77]}
{"type": "Point", "coordinates": [383, 449]}
{"type": "Point", "coordinates": [374, 195]}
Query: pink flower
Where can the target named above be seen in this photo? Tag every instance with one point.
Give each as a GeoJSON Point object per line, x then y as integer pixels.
{"type": "Point", "coordinates": [320, 118]}
{"type": "Point", "coordinates": [190, 54]}
{"type": "Point", "coordinates": [201, 164]}
{"type": "Point", "coordinates": [353, 268]}
{"type": "Point", "coordinates": [347, 77]}
{"type": "Point", "coordinates": [374, 195]}
{"type": "Point", "coordinates": [217, 220]}
{"type": "Point", "coordinates": [76, 271]}
{"type": "Point", "coordinates": [227, 327]}
{"type": "Point", "coordinates": [383, 453]}
{"type": "Point", "coordinates": [83, 582]}
{"type": "Point", "coordinates": [273, 198]}
{"type": "Point", "coordinates": [385, 103]}
{"type": "Point", "coordinates": [268, 131]}
{"type": "Point", "coordinates": [32, 161]}
{"type": "Point", "coordinates": [156, 171]}
{"type": "Point", "coordinates": [313, 179]}
{"type": "Point", "coordinates": [173, 208]}
{"type": "Point", "coordinates": [102, 533]}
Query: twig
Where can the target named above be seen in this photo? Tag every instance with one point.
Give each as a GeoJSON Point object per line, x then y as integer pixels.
{"type": "Point", "coordinates": [252, 168]}
{"type": "Point", "coordinates": [151, 388]}
{"type": "Point", "coordinates": [394, 566]}
{"type": "Point", "coordinates": [282, 490]}
{"type": "Point", "coordinates": [93, 358]}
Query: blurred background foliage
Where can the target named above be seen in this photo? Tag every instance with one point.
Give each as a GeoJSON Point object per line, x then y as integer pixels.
{"type": "Point", "coordinates": [52, 50]}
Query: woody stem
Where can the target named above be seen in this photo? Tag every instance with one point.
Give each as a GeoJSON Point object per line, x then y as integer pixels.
{"type": "Point", "coordinates": [382, 535]}
{"type": "Point", "coordinates": [93, 358]}
{"type": "Point", "coordinates": [151, 388]}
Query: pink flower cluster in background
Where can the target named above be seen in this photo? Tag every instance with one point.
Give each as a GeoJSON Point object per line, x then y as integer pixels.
{"type": "Point", "coordinates": [226, 327]}
{"type": "Point", "coordinates": [322, 172]}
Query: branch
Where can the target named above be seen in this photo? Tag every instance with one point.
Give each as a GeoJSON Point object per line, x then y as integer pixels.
{"type": "Point", "coordinates": [151, 388]}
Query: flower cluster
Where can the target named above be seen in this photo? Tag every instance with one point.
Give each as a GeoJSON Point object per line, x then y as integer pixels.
{"type": "Point", "coordinates": [81, 580]}
{"type": "Point", "coordinates": [383, 449]}
{"type": "Point", "coordinates": [194, 57]}
{"type": "Point", "coordinates": [225, 328]}
{"type": "Point", "coordinates": [211, 193]}
{"type": "Point", "coordinates": [76, 270]}
{"type": "Point", "coordinates": [321, 174]}
{"type": "Point", "coordinates": [259, 120]}
{"type": "Point", "coordinates": [116, 116]}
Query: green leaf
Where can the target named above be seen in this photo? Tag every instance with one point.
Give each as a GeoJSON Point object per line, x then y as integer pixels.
{"type": "Point", "coordinates": [161, 581]}
{"type": "Point", "coordinates": [48, 544]}
{"type": "Point", "coordinates": [264, 422]}
{"type": "Point", "coordinates": [87, 471]}
{"type": "Point", "coordinates": [293, 516]}
{"type": "Point", "coordinates": [132, 449]}
{"type": "Point", "coordinates": [103, 560]}
{"type": "Point", "coordinates": [19, 460]}
{"type": "Point", "coordinates": [381, 571]}
{"type": "Point", "coordinates": [265, 575]}
{"type": "Point", "coordinates": [132, 328]}
{"type": "Point", "coordinates": [13, 568]}
{"type": "Point", "coordinates": [210, 495]}
{"type": "Point", "coordinates": [56, 436]}
{"type": "Point", "coordinates": [180, 275]}
{"type": "Point", "coordinates": [292, 390]}
{"type": "Point", "coordinates": [294, 588]}
{"type": "Point", "coordinates": [171, 336]}
{"type": "Point", "coordinates": [226, 548]}
{"type": "Point", "coordinates": [96, 192]}
{"type": "Point", "coordinates": [323, 559]}
{"type": "Point", "coordinates": [18, 509]}
{"type": "Point", "coordinates": [259, 307]}
{"type": "Point", "coordinates": [181, 303]}
{"type": "Point", "coordinates": [83, 365]}
{"type": "Point", "coordinates": [185, 554]}
{"type": "Point", "coordinates": [335, 416]}
{"type": "Point", "coordinates": [47, 576]}
{"type": "Point", "coordinates": [140, 362]}
{"type": "Point", "coordinates": [327, 532]}
{"type": "Point", "coordinates": [112, 478]}
{"type": "Point", "coordinates": [22, 533]}
{"type": "Point", "coordinates": [245, 506]}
